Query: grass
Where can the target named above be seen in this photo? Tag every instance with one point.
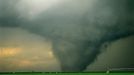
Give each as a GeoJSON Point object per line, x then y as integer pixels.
{"type": "Point", "coordinates": [60, 73]}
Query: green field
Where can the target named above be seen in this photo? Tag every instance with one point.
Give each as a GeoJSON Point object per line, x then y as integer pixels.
{"type": "Point", "coordinates": [66, 73]}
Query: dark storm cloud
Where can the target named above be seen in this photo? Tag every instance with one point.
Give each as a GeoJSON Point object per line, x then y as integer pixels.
{"type": "Point", "coordinates": [8, 14]}
{"type": "Point", "coordinates": [77, 28]}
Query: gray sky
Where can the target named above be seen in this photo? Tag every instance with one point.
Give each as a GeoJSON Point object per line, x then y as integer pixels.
{"type": "Point", "coordinates": [24, 51]}
{"type": "Point", "coordinates": [119, 54]}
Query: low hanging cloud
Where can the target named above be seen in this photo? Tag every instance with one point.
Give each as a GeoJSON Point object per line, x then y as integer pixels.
{"type": "Point", "coordinates": [76, 28]}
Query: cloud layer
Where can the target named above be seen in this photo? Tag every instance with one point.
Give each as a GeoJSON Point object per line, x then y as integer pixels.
{"type": "Point", "coordinates": [76, 28]}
